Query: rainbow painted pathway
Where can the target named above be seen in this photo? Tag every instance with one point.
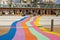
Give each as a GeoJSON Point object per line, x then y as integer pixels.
{"type": "Point", "coordinates": [27, 29]}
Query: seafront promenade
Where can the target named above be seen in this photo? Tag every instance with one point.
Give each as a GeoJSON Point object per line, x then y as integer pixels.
{"type": "Point", "coordinates": [44, 21]}
{"type": "Point", "coordinates": [28, 27]}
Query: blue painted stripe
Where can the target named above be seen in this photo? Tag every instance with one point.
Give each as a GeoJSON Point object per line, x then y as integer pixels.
{"type": "Point", "coordinates": [12, 31]}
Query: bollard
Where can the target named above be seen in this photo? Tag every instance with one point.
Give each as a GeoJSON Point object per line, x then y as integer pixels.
{"type": "Point", "coordinates": [52, 25]}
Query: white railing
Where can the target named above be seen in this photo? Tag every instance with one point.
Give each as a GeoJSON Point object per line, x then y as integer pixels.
{"type": "Point", "coordinates": [45, 20]}
{"type": "Point", "coordinates": [8, 20]}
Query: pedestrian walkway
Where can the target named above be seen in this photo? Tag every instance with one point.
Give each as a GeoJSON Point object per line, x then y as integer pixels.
{"type": "Point", "coordinates": [27, 29]}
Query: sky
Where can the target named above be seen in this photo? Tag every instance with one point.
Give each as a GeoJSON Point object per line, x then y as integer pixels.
{"type": "Point", "coordinates": [58, 1]}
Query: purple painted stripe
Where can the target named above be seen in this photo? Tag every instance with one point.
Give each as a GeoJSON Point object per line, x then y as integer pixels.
{"type": "Point", "coordinates": [19, 33]}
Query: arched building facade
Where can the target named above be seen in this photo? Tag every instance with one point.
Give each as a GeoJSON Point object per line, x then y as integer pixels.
{"type": "Point", "coordinates": [27, 7]}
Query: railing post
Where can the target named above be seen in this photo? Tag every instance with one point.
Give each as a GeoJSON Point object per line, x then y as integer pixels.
{"type": "Point", "coordinates": [52, 24]}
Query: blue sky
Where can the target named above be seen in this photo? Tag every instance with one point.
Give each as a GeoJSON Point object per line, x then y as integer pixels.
{"type": "Point", "coordinates": [58, 1]}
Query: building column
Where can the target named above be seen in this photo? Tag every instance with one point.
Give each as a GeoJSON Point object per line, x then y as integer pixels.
{"type": "Point", "coordinates": [41, 12]}
{"type": "Point", "coordinates": [12, 12]}
{"type": "Point", "coordinates": [36, 11]}
{"type": "Point", "coordinates": [7, 12]}
{"type": "Point", "coordinates": [53, 12]}
{"type": "Point", "coordinates": [47, 12]}
{"type": "Point", "coordinates": [23, 12]}
{"type": "Point", "coordinates": [18, 12]}
{"type": "Point", "coordinates": [31, 11]}
{"type": "Point", "coordinates": [0, 12]}
{"type": "Point", "coordinates": [57, 12]}
{"type": "Point", "coordinates": [15, 12]}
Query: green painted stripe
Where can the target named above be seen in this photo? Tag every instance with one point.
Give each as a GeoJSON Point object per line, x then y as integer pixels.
{"type": "Point", "coordinates": [38, 35]}
{"type": "Point", "coordinates": [29, 22]}
{"type": "Point", "coordinates": [34, 32]}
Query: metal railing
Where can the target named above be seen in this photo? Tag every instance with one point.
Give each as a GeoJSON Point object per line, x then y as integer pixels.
{"type": "Point", "coordinates": [57, 6]}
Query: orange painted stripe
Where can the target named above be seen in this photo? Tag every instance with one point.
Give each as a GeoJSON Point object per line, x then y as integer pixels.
{"type": "Point", "coordinates": [28, 34]}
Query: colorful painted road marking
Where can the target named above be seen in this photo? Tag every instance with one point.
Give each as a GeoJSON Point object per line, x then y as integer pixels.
{"type": "Point", "coordinates": [50, 36]}
{"type": "Point", "coordinates": [10, 35]}
{"type": "Point", "coordinates": [27, 29]}
{"type": "Point", "coordinates": [37, 34]}
{"type": "Point", "coordinates": [28, 35]}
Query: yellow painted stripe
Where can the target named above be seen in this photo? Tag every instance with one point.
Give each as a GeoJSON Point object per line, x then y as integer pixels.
{"type": "Point", "coordinates": [45, 30]}
{"type": "Point", "coordinates": [37, 21]}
